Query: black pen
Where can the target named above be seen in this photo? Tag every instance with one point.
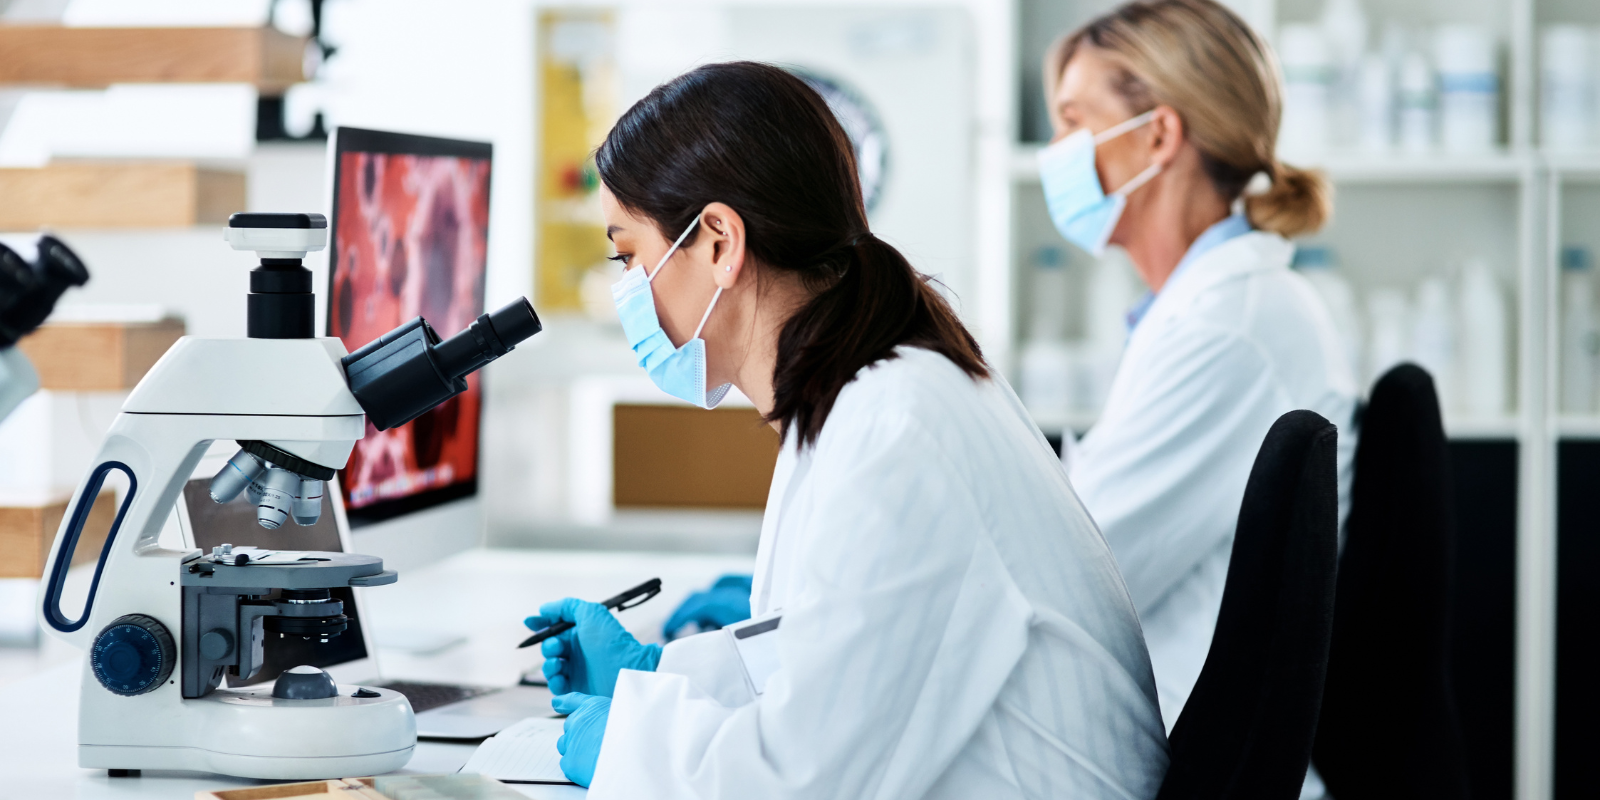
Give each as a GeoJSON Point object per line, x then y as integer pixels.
{"type": "Point", "coordinates": [636, 595]}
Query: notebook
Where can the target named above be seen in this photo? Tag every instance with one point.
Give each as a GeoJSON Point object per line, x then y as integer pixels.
{"type": "Point", "coordinates": [522, 753]}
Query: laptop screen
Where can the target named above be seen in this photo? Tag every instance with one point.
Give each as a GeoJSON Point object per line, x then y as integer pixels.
{"type": "Point", "coordinates": [234, 523]}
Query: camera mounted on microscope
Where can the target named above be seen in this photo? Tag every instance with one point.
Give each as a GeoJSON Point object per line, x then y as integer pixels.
{"type": "Point", "coordinates": [395, 378]}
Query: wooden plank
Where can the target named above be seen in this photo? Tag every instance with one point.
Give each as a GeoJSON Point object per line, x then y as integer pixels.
{"type": "Point", "coordinates": [672, 456]}
{"type": "Point", "coordinates": [113, 194]}
{"type": "Point", "coordinates": [97, 356]}
{"type": "Point", "coordinates": [53, 55]}
{"type": "Point", "coordinates": [27, 533]}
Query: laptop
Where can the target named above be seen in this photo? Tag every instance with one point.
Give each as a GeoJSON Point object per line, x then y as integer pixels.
{"type": "Point", "coordinates": [444, 711]}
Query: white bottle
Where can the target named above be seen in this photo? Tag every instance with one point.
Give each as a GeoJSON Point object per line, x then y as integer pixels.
{"type": "Point", "coordinates": [1318, 266]}
{"type": "Point", "coordinates": [1416, 104]}
{"type": "Point", "coordinates": [1307, 88]}
{"type": "Point", "coordinates": [1433, 337]}
{"type": "Point", "coordinates": [1580, 333]}
{"type": "Point", "coordinates": [1484, 360]}
{"type": "Point", "coordinates": [1046, 360]}
{"type": "Point", "coordinates": [1389, 343]}
{"type": "Point", "coordinates": [1344, 24]}
{"type": "Point", "coordinates": [1566, 101]}
{"type": "Point", "coordinates": [1469, 88]}
{"type": "Point", "coordinates": [1377, 97]}
{"type": "Point", "coordinates": [1112, 291]}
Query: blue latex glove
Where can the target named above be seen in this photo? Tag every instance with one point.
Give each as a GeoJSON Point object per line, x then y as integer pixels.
{"type": "Point", "coordinates": [726, 602]}
{"type": "Point", "coordinates": [587, 658]}
{"type": "Point", "coordinates": [585, 729]}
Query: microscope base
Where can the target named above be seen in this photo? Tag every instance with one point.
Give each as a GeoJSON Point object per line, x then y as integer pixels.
{"type": "Point", "coordinates": [248, 733]}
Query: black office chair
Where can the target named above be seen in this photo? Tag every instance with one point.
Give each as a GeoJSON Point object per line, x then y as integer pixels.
{"type": "Point", "coordinates": [1389, 725]}
{"type": "Point", "coordinates": [1247, 729]}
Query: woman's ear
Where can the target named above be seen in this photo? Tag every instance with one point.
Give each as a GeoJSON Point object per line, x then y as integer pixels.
{"type": "Point", "coordinates": [724, 231]}
{"type": "Point", "coordinates": [1166, 128]}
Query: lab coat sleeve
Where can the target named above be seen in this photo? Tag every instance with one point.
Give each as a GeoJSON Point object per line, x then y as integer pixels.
{"type": "Point", "coordinates": [891, 659]}
{"type": "Point", "coordinates": [1164, 471]}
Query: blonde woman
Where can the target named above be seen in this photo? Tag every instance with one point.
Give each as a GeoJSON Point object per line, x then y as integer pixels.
{"type": "Point", "coordinates": [1164, 112]}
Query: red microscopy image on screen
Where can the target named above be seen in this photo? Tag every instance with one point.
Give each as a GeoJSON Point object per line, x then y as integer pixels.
{"type": "Point", "coordinates": [410, 239]}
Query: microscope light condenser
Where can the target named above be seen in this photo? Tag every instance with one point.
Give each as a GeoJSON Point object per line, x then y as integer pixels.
{"type": "Point", "coordinates": [164, 627]}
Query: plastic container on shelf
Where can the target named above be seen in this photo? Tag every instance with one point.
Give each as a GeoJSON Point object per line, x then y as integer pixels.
{"type": "Point", "coordinates": [1389, 331]}
{"type": "Point", "coordinates": [1433, 337]}
{"type": "Point", "coordinates": [1046, 358]}
{"type": "Point", "coordinates": [1580, 332]}
{"type": "Point", "coordinates": [1567, 77]}
{"type": "Point", "coordinates": [1344, 25]}
{"type": "Point", "coordinates": [1376, 100]}
{"type": "Point", "coordinates": [1416, 103]}
{"type": "Point", "coordinates": [1469, 88]}
{"type": "Point", "coordinates": [1484, 361]}
{"type": "Point", "coordinates": [1308, 77]}
{"type": "Point", "coordinates": [1320, 267]}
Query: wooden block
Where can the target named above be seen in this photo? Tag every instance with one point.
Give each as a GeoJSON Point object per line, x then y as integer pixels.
{"type": "Point", "coordinates": [93, 57]}
{"type": "Point", "coordinates": [118, 194]}
{"type": "Point", "coordinates": [671, 456]}
{"type": "Point", "coordinates": [97, 356]}
{"type": "Point", "coordinates": [27, 533]}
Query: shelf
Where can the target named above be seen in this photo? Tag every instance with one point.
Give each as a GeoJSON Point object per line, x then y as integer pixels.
{"type": "Point", "coordinates": [1575, 426]}
{"type": "Point", "coordinates": [1579, 164]}
{"type": "Point", "coordinates": [52, 55]}
{"type": "Point", "coordinates": [113, 194]}
{"type": "Point", "coordinates": [1356, 168]}
{"type": "Point", "coordinates": [97, 357]}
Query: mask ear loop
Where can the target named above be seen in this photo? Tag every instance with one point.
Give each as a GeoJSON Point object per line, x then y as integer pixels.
{"type": "Point", "coordinates": [1138, 180]}
{"type": "Point", "coordinates": [702, 325]}
{"type": "Point", "coordinates": [1123, 127]}
{"type": "Point", "coordinates": [651, 276]}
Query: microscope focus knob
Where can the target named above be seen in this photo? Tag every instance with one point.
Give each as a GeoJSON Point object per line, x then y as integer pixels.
{"type": "Point", "coordinates": [133, 655]}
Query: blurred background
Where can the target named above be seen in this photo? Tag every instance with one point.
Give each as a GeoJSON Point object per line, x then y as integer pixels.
{"type": "Point", "coordinates": [1463, 137]}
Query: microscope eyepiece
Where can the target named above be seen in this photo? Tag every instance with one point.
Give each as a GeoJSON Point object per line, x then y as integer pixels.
{"type": "Point", "coordinates": [28, 292]}
{"type": "Point", "coordinates": [409, 370]}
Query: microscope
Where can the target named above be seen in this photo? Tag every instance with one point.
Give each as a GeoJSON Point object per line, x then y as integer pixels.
{"type": "Point", "coordinates": [163, 627]}
{"type": "Point", "coordinates": [28, 292]}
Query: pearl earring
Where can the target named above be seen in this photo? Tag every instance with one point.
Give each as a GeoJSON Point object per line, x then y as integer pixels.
{"type": "Point", "coordinates": [728, 268]}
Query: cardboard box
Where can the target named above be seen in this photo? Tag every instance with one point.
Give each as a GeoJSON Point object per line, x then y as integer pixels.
{"type": "Point", "coordinates": [97, 356]}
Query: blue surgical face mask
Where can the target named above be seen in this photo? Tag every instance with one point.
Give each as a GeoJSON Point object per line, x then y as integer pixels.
{"type": "Point", "coordinates": [1079, 205]}
{"type": "Point", "coordinates": [679, 371]}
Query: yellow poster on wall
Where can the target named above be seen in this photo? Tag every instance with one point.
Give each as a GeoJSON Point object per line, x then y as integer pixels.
{"type": "Point", "coordinates": [577, 107]}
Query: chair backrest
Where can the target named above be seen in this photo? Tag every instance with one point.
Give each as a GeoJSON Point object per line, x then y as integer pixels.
{"type": "Point", "coordinates": [1389, 725]}
{"type": "Point", "coordinates": [1247, 728]}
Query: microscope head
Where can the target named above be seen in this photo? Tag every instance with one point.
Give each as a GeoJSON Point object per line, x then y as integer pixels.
{"type": "Point", "coordinates": [394, 379]}
{"type": "Point", "coordinates": [29, 291]}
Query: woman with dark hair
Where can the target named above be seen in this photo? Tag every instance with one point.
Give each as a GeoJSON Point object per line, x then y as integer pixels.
{"type": "Point", "coordinates": [934, 613]}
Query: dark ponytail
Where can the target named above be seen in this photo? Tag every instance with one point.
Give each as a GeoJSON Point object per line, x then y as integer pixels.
{"type": "Point", "coordinates": [763, 142]}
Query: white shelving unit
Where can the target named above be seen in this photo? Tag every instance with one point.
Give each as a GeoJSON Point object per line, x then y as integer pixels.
{"type": "Point", "coordinates": [1518, 205]}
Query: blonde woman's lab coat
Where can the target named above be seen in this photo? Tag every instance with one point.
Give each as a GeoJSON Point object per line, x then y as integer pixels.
{"type": "Point", "coordinates": [952, 624]}
{"type": "Point", "coordinates": [1234, 340]}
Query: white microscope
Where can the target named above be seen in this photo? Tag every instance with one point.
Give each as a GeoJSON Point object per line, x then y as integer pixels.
{"type": "Point", "coordinates": [163, 627]}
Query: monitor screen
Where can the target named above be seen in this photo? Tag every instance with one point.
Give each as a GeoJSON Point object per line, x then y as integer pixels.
{"type": "Point", "coordinates": [234, 523]}
{"type": "Point", "coordinates": [409, 238]}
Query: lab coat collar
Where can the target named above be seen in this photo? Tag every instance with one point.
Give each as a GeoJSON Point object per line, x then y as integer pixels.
{"type": "Point", "coordinates": [1242, 255]}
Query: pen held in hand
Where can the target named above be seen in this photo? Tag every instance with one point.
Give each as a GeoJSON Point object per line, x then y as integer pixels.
{"type": "Point", "coordinates": [626, 600]}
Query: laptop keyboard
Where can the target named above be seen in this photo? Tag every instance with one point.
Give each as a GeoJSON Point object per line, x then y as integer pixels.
{"type": "Point", "coordinates": [426, 696]}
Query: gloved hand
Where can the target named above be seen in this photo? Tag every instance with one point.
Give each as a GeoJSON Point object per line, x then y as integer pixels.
{"type": "Point", "coordinates": [726, 602]}
{"type": "Point", "coordinates": [587, 658]}
{"type": "Point", "coordinates": [585, 729]}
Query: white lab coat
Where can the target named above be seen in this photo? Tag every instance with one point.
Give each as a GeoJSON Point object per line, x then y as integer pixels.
{"type": "Point", "coordinates": [1233, 341]}
{"type": "Point", "coordinates": [953, 626]}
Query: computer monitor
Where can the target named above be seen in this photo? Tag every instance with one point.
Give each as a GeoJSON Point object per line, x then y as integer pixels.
{"type": "Point", "coordinates": [409, 237]}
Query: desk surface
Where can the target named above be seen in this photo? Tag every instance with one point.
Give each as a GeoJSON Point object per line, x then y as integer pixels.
{"type": "Point", "coordinates": [481, 595]}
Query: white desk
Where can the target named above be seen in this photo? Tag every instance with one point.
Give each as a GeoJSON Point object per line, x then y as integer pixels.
{"type": "Point", "coordinates": [481, 594]}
